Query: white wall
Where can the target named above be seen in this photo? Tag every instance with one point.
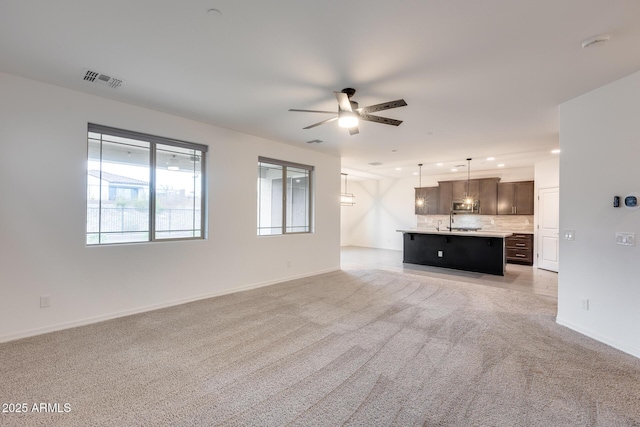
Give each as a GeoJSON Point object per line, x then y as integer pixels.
{"type": "Point", "coordinates": [600, 142]}
{"type": "Point", "coordinates": [547, 174]}
{"type": "Point", "coordinates": [384, 206]}
{"type": "Point", "coordinates": [381, 208]}
{"type": "Point", "coordinates": [43, 150]}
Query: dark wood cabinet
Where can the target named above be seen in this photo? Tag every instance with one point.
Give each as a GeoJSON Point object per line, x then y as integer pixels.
{"type": "Point", "coordinates": [445, 197]}
{"type": "Point", "coordinates": [515, 198]}
{"type": "Point", "coordinates": [520, 248]}
{"type": "Point", "coordinates": [460, 189]}
{"type": "Point", "coordinates": [494, 197]}
{"type": "Point", "coordinates": [485, 190]}
{"type": "Point", "coordinates": [429, 198]}
{"type": "Point", "coordinates": [488, 195]}
{"type": "Point", "coordinates": [524, 198]}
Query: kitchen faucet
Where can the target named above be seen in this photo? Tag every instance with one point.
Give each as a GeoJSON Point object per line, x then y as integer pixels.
{"type": "Point", "coordinates": [438, 225]}
{"type": "Point", "coordinates": [451, 214]}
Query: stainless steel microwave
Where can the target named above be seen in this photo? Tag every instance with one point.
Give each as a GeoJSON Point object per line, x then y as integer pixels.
{"type": "Point", "coordinates": [461, 207]}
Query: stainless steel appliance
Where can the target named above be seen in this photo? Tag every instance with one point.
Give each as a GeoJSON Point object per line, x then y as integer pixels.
{"type": "Point", "coordinates": [460, 207]}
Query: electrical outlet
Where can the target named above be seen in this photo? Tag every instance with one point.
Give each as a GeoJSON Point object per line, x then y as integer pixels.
{"type": "Point", "coordinates": [584, 303]}
{"type": "Point", "coordinates": [569, 234]}
{"type": "Point", "coordinates": [439, 254]}
{"type": "Point", "coordinates": [45, 301]}
{"type": "Point", "coordinates": [626, 239]}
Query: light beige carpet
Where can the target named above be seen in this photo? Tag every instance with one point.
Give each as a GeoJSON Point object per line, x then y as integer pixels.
{"type": "Point", "coordinates": [369, 348]}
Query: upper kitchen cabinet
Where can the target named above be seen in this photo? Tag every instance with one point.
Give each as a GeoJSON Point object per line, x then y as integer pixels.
{"type": "Point", "coordinates": [488, 195]}
{"type": "Point", "coordinates": [460, 189]}
{"type": "Point", "coordinates": [429, 198]}
{"type": "Point", "coordinates": [445, 197]}
{"type": "Point", "coordinates": [485, 190]}
{"type": "Point", "coordinates": [515, 198]}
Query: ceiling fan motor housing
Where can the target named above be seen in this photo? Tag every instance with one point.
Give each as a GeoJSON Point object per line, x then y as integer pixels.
{"type": "Point", "coordinates": [349, 91]}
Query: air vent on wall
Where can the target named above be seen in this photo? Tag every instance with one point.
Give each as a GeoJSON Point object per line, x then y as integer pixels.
{"type": "Point", "coordinates": [96, 77]}
{"type": "Point", "coordinates": [375, 164]}
{"type": "Point", "coordinates": [315, 141]}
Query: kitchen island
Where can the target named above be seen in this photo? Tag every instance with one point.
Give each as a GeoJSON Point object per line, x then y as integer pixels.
{"type": "Point", "coordinates": [479, 251]}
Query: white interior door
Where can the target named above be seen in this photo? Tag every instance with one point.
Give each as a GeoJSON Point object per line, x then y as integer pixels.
{"type": "Point", "coordinates": [548, 210]}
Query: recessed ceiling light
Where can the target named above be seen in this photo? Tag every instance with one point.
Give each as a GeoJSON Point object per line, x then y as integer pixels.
{"type": "Point", "coordinates": [491, 158]}
{"type": "Point", "coordinates": [454, 169]}
{"type": "Point", "coordinates": [501, 165]}
{"type": "Point", "coordinates": [439, 164]}
{"type": "Point", "coordinates": [556, 151]}
{"type": "Point", "coordinates": [596, 41]}
{"type": "Point", "coordinates": [398, 169]}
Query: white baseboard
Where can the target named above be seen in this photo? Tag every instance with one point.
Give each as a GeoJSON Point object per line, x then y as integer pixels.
{"type": "Point", "coordinates": [603, 339]}
{"type": "Point", "coordinates": [109, 316]}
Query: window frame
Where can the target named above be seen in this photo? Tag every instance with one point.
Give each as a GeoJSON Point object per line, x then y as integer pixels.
{"type": "Point", "coordinates": [311, 205]}
{"type": "Point", "coordinates": [153, 141]}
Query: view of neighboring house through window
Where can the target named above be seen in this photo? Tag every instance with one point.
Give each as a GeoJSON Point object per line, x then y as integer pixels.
{"type": "Point", "coordinates": [143, 188]}
{"type": "Point", "coordinates": [284, 197]}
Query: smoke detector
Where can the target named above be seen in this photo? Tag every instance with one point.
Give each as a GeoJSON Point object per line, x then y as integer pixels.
{"type": "Point", "coordinates": [596, 41]}
{"type": "Point", "coordinates": [101, 78]}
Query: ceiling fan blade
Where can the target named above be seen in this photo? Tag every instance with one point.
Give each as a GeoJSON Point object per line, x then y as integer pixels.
{"type": "Point", "coordinates": [353, 131]}
{"type": "Point", "coordinates": [384, 106]}
{"type": "Point", "coordinates": [343, 101]}
{"type": "Point", "coordinates": [312, 111]}
{"type": "Point", "coordinates": [322, 122]}
{"type": "Point", "coordinates": [377, 119]}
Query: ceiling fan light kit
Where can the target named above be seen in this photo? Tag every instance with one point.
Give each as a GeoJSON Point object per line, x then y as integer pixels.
{"type": "Point", "coordinates": [349, 113]}
{"type": "Point", "coordinates": [347, 119]}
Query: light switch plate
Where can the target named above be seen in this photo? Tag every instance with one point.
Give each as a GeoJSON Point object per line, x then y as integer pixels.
{"type": "Point", "coordinates": [569, 234]}
{"type": "Point", "coordinates": [626, 239]}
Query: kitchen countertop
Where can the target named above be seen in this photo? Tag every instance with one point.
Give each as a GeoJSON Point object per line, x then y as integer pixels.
{"type": "Point", "coordinates": [479, 233]}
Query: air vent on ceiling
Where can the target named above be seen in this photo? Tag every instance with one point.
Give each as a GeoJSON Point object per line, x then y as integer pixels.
{"type": "Point", "coordinates": [96, 77]}
{"type": "Point", "coordinates": [315, 141]}
{"type": "Point", "coordinates": [375, 164]}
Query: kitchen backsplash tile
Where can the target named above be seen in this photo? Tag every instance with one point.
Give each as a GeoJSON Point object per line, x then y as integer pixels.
{"type": "Point", "coordinates": [523, 223]}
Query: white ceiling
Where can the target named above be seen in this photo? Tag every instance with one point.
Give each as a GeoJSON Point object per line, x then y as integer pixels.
{"type": "Point", "coordinates": [481, 78]}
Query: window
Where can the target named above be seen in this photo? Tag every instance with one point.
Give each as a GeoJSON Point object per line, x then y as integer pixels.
{"type": "Point", "coordinates": [143, 188]}
{"type": "Point", "coordinates": [284, 197]}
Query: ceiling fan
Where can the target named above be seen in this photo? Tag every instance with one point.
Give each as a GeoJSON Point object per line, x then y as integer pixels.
{"type": "Point", "coordinates": [349, 114]}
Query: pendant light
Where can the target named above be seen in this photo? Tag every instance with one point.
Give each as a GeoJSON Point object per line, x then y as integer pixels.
{"type": "Point", "coordinates": [347, 199]}
{"type": "Point", "coordinates": [420, 200]}
{"type": "Point", "coordinates": [468, 198]}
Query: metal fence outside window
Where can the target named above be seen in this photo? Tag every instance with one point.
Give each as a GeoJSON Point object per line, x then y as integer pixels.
{"type": "Point", "coordinates": [126, 219]}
